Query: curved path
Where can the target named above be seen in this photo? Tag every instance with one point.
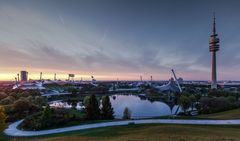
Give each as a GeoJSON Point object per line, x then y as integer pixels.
{"type": "Point", "coordinates": [13, 131]}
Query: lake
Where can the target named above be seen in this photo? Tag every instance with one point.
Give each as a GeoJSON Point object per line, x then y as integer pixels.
{"type": "Point", "coordinates": [139, 108]}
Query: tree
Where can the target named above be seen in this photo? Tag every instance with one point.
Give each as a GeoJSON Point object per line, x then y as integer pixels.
{"type": "Point", "coordinates": [47, 115]}
{"type": "Point", "coordinates": [62, 115]}
{"type": "Point", "coordinates": [231, 99]}
{"type": "Point", "coordinates": [2, 118]}
{"type": "Point", "coordinates": [205, 104]}
{"type": "Point", "coordinates": [74, 91]}
{"type": "Point", "coordinates": [92, 108]}
{"type": "Point", "coordinates": [185, 103]}
{"type": "Point", "coordinates": [198, 97]}
{"type": "Point", "coordinates": [193, 100]}
{"type": "Point", "coordinates": [86, 100]}
{"type": "Point", "coordinates": [126, 113]}
{"type": "Point", "coordinates": [21, 108]}
{"type": "Point", "coordinates": [8, 100]}
{"type": "Point", "coordinates": [3, 95]}
{"type": "Point", "coordinates": [40, 101]}
{"type": "Point", "coordinates": [107, 110]}
{"type": "Point", "coordinates": [74, 105]}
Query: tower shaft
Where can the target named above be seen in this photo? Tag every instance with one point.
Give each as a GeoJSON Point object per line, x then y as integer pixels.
{"type": "Point", "coordinates": [213, 48]}
{"type": "Point", "coordinates": [214, 71]}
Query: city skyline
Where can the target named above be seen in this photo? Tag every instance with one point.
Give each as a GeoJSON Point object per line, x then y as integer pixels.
{"type": "Point", "coordinates": [117, 39]}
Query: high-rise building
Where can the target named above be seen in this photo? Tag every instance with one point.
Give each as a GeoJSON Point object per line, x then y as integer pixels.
{"type": "Point", "coordinates": [213, 48]}
{"type": "Point", "coordinates": [55, 76]}
{"type": "Point", "coordinates": [24, 75]}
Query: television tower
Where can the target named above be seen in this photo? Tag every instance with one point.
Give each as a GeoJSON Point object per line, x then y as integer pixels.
{"type": "Point", "coordinates": [213, 48]}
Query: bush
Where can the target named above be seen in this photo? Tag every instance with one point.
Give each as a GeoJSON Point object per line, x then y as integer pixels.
{"type": "Point", "coordinates": [63, 115]}
{"type": "Point", "coordinates": [184, 102]}
{"type": "Point", "coordinates": [49, 118]}
{"type": "Point", "coordinates": [220, 93]}
{"type": "Point", "coordinates": [217, 104]}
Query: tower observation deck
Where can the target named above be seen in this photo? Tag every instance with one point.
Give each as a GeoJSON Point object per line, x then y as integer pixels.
{"type": "Point", "coordinates": [213, 48]}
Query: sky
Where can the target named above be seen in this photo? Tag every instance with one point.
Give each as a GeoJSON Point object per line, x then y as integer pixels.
{"type": "Point", "coordinates": [118, 39]}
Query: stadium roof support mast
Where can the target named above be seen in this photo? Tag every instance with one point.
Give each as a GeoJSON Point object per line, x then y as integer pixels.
{"type": "Point", "coordinates": [213, 48]}
{"type": "Point", "coordinates": [16, 81]}
{"type": "Point", "coordinates": [179, 87]}
{"type": "Point", "coordinates": [18, 77]}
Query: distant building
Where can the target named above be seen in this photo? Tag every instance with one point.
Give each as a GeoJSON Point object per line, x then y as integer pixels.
{"type": "Point", "coordinates": [29, 85]}
{"type": "Point", "coordinates": [171, 87]}
{"type": "Point", "coordinates": [180, 80]}
{"type": "Point", "coordinates": [24, 75]}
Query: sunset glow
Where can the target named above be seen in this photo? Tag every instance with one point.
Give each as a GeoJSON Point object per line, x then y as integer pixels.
{"type": "Point", "coordinates": [113, 41]}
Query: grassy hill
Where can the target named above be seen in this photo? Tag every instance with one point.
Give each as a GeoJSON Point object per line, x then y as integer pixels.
{"type": "Point", "coordinates": [149, 132]}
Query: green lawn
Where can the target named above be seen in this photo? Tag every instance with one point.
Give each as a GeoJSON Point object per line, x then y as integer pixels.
{"type": "Point", "coordinates": [148, 132]}
{"type": "Point", "coordinates": [3, 137]}
{"type": "Point", "coordinates": [151, 132]}
{"type": "Point", "coordinates": [231, 114]}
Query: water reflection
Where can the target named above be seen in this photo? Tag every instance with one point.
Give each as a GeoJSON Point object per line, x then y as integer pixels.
{"type": "Point", "coordinates": [140, 108]}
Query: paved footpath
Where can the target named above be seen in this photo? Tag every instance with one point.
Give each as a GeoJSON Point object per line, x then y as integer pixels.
{"type": "Point", "coordinates": [13, 131]}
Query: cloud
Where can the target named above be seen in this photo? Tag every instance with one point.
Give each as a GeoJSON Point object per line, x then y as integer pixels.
{"type": "Point", "coordinates": [73, 40]}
